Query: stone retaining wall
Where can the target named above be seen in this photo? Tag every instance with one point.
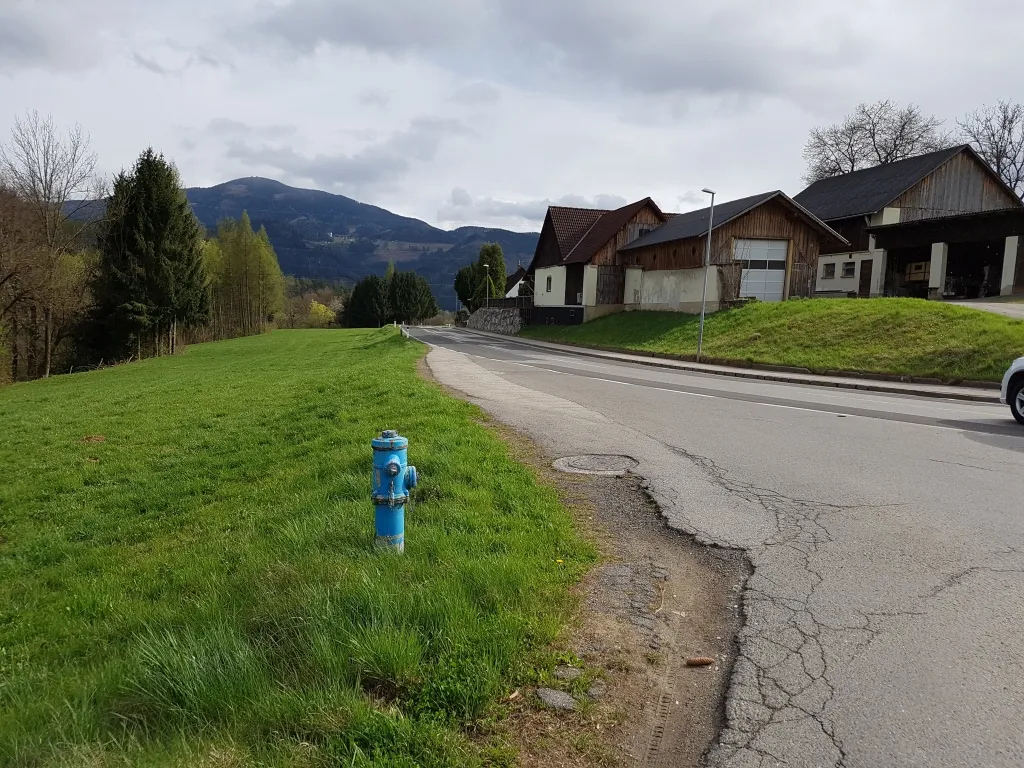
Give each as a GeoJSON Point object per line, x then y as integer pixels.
{"type": "Point", "coordinates": [505, 320]}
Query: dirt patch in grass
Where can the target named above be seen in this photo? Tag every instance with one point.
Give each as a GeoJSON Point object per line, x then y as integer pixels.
{"type": "Point", "coordinates": [655, 599]}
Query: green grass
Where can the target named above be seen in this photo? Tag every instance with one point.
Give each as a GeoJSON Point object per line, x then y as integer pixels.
{"type": "Point", "coordinates": [891, 336]}
{"type": "Point", "coordinates": [201, 587]}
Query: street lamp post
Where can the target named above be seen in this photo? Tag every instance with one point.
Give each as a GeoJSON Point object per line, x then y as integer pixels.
{"type": "Point", "coordinates": [707, 268]}
{"type": "Point", "coordinates": [487, 283]}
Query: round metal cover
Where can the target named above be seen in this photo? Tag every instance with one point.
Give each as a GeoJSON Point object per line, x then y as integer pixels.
{"type": "Point", "coordinates": [596, 464]}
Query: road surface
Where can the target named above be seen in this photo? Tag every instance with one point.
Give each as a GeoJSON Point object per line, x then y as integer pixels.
{"type": "Point", "coordinates": [885, 616]}
{"type": "Point", "coordinates": [1014, 309]}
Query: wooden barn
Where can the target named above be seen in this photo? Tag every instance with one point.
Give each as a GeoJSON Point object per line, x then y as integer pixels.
{"type": "Point", "coordinates": [939, 225]}
{"type": "Point", "coordinates": [591, 262]}
{"type": "Point", "coordinates": [765, 247]}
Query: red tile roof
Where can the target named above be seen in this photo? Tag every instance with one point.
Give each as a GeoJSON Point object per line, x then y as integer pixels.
{"type": "Point", "coordinates": [604, 229]}
{"type": "Point", "coordinates": [571, 224]}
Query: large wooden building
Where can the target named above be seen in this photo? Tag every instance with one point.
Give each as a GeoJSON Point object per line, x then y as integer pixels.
{"type": "Point", "coordinates": [591, 262]}
{"type": "Point", "coordinates": [939, 225]}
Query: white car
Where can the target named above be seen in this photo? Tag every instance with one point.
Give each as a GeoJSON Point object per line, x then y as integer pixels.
{"type": "Point", "coordinates": [1012, 393]}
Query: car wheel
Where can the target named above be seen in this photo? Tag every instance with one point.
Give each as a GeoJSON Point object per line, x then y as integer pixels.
{"type": "Point", "coordinates": [1015, 397]}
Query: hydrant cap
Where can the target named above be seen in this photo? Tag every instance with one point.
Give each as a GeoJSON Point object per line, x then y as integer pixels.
{"type": "Point", "coordinates": [389, 440]}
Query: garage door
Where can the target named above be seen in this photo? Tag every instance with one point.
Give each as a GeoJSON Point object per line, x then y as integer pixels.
{"type": "Point", "coordinates": [764, 268]}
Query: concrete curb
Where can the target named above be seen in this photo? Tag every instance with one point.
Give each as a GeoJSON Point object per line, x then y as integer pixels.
{"type": "Point", "coordinates": [768, 373]}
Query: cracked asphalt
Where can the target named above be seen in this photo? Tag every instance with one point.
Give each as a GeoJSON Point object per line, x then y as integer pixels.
{"type": "Point", "coordinates": [884, 620]}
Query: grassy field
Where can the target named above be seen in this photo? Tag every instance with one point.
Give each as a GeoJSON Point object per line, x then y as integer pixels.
{"type": "Point", "coordinates": [892, 336]}
{"type": "Point", "coordinates": [187, 574]}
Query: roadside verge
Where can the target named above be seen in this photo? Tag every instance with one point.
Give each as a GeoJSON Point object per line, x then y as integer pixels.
{"type": "Point", "coordinates": [983, 392]}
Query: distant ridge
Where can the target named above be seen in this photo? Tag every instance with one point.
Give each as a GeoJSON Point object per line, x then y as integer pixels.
{"type": "Point", "coordinates": [323, 235]}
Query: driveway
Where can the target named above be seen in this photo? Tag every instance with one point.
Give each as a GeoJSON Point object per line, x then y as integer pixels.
{"type": "Point", "coordinates": [884, 620]}
{"type": "Point", "coordinates": [1014, 309]}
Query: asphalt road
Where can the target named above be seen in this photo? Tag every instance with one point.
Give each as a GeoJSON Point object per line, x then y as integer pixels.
{"type": "Point", "coordinates": [885, 617]}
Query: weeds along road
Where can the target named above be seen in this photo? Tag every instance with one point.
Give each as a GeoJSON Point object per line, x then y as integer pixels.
{"type": "Point", "coordinates": [885, 617]}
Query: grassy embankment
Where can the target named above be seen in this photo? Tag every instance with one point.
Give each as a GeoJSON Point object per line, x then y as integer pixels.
{"type": "Point", "coordinates": [891, 336]}
{"type": "Point", "coordinates": [187, 573]}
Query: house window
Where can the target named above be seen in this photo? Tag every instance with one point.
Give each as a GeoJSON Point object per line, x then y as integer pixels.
{"type": "Point", "coordinates": [644, 231]}
{"type": "Point", "coordinates": [849, 268]}
{"type": "Point", "coordinates": [547, 284]}
{"type": "Point", "coordinates": [828, 270]}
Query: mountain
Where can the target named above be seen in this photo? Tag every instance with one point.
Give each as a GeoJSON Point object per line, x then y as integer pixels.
{"type": "Point", "coordinates": [317, 234]}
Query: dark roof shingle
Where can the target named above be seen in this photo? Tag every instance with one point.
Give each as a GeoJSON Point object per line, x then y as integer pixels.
{"type": "Point", "coordinates": [604, 229]}
{"type": "Point", "coordinates": [865, 192]}
{"type": "Point", "coordinates": [512, 280]}
{"type": "Point", "coordinates": [695, 223]}
{"type": "Point", "coordinates": [571, 224]}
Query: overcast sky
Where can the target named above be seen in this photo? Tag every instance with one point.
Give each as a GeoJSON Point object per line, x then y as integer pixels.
{"type": "Point", "coordinates": [483, 111]}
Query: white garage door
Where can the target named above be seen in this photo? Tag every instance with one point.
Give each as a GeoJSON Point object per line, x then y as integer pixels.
{"type": "Point", "coordinates": [764, 268]}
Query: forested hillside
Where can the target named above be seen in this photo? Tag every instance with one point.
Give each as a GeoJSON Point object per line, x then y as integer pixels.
{"type": "Point", "coordinates": [320, 235]}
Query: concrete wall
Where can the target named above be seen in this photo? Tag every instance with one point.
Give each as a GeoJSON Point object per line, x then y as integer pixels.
{"type": "Point", "coordinates": [600, 310]}
{"type": "Point", "coordinates": [1009, 279]}
{"type": "Point", "coordinates": [634, 286]}
{"type": "Point", "coordinates": [542, 297]}
{"type": "Point", "coordinates": [840, 283]}
{"type": "Point", "coordinates": [679, 290]}
{"type": "Point", "coordinates": [504, 320]}
{"type": "Point", "coordinates": [589, 286]}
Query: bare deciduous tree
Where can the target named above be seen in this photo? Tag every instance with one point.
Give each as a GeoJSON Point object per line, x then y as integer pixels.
{"type": "Point", "coordinates": [997, 134]}
{"type": "Point", "coordinates": [875, 134]}
{"type": "Point", "coordinates": [53, 178]}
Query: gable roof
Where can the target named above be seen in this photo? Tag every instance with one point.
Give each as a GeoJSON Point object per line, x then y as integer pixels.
{"type": "Point", "coordinates": [604, 229]}
{"type": "Point", "coordinates": [868, 191]}
{"type": "Point", "coordinates": [515, 278]}
{"type": "Point", "coordinates": [695, 223]}
{"type": "Point", "coordinates": [571, 224]}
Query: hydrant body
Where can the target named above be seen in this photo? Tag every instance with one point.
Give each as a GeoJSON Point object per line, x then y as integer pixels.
{"type": "Point", "coordinates": [393, 481]}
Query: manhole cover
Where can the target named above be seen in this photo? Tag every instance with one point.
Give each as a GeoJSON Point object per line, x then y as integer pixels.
{"type": "Point", "coordinates": [596, 464]}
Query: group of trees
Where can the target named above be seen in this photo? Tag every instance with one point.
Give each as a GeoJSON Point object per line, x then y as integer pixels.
{"type": "Point", "coordinates": [483, 278]}
{"type": "Point", "coordinates": [403, 297]}
{"type": "Point", "coordinates": [884, 132]}
{"type": "Point", "coordinates": [246, 284]}
{"type": "Point", "coordinates": [313, 303]}
{"type": "Point", "coordinates": [151, 277]}
{"type": "Point", "coordinates": [90, 274]}
{"type": "Point", "coordinates": [47, 259]}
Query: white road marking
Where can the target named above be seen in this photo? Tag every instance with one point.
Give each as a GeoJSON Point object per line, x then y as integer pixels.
{"type": "Point", "coordinates": [880, 401]}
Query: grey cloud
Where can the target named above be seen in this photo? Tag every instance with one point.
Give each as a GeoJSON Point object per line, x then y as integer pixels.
{"type": "Point", "coordinates": [182, 58]}
{"type": "Point", "coordinates": [27, 42]}
{"type": "Point", "coordinates": [378, 165]}
{"type": "Point", "coordinates": [374, 99]}
{"type": "Point", "coordinates": [226, 126]}
{"type": "Point", "coordinates": [151, 65]}
{"type": "Point", "coordinates": [476, 93]}
{"type": "Point", "coordinates": [462, 207]}
{"type": "Point", "coordinates": [652, 46]}
{"type": "Point", "coordinates": [692, 198]}
{"type": "Point", "coordinates": [396, 26]}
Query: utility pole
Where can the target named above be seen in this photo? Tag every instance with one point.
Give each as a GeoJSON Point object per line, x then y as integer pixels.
{"type": "Point", "coordinates": [707, 268]}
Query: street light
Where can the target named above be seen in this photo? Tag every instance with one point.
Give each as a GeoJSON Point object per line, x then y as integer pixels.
{"type": "Point", "coordinates": [707, 268]}
{"type": "Point", "coordinates": [487, 283]}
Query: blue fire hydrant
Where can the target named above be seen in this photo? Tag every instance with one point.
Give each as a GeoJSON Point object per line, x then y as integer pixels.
{"type": "Point", "coordinates": [393, 481]}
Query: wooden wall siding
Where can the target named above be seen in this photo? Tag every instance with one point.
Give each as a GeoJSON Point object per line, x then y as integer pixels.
{"type": "Point", "coordinates": [611, 284]}
{"type": "Point", "coordinates": [855, 230]}
{"type": "Point", "coordinates": [960, 185]}
{"type": "Point", "coordinates": [771, 221]}
{"type": "Point", "coordinates": [609, 254]}
{"type": "Point", "coordinates": [547, 253]}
